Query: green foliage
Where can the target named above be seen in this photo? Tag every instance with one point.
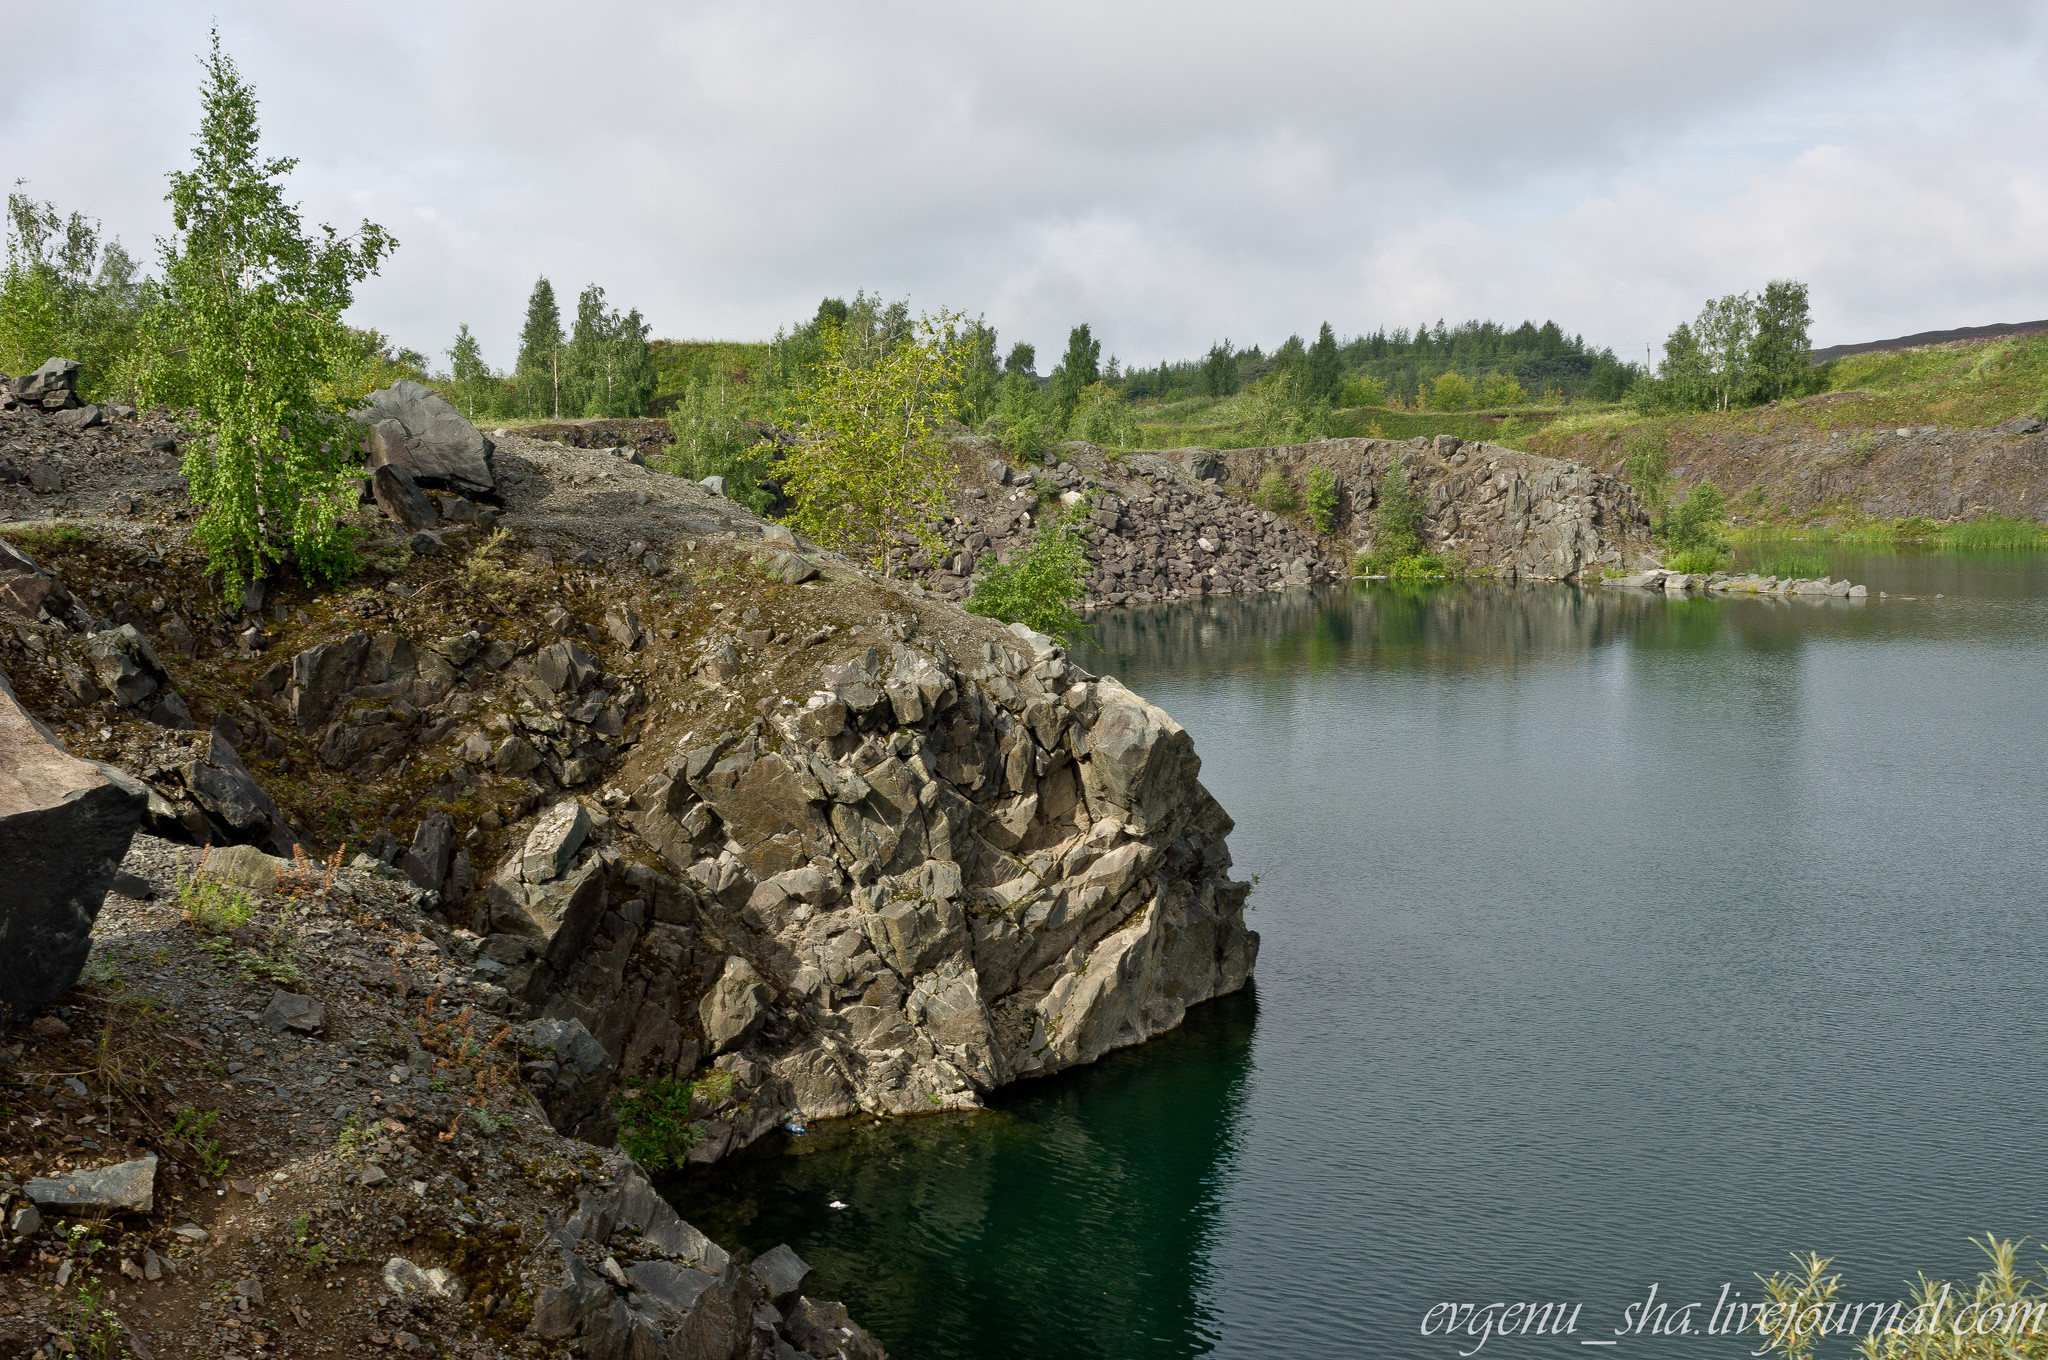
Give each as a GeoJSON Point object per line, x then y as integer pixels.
{"type": "Point", "coordinates": [1040, 587]}
{"type": "Point", "coordinates": [253, 313]}
{"type": "Point", "coordinates": [981, 376]}
{"type": "Point", "coordinates": [91, 1327]}
{"type": "Point", "coordinates": [1501, 389]}
{"type": "Point", "coordinates": [1792, 562]}
{"type": "Point", "coordinates": [1648, 466]}
{"type": "Point", "coordinates": [1023, 359]}
{"type": "Point", "coordinates": [1779, 353]}
{"type": "Point", "coordinates": [1103, 418]}
{"type": "Point", "coordinates": [1274, 492]}
{"type": "Point", "coordinates": [1998, 1316]}
{"type": "Point", "coordinates": [213, 908]}
{"type": "Point", "coordinates": [1694, 527]}
{"type": "Point", "coordinates": [361, 361]}
{"type": "Point", "coordinates": [1452, 391]}
{"type": "Point", "coordinates": [1995, 531]}
{"type": "Point", "coordinates": [1738, 351]}
{"type": "Point", "coordinates": [714, 436]}
{"type": "Point", "coordinates": [469, 374]}
{"type": "Point", "coordinates": [607, 369]}
{"type": "Point", "coordinates": [1027, 420]}
{"type": "Point", "coordinates": [1363, 391]}
{"type": "Point", "coordinates": [1700, 561]}
{"type": "Point", "coordinates": [1397, 549]}
{"type": "Point", "coordinates": [192, 1127]}
{"type": "Point", "coordinates": [538, 373]}
{"type": "Point", "coordinates": [66, 293]}
{"type": "Point", "coordinates": [655, 1124]}
{"type": "Point", "coordinates": [1078, 370]}
{"type": "Point", "coordinates": [1322, 498]}
{"type": "Point", "coordinates": [1323, 376]}
{"type": "Point", "coordinates": [872, 465]}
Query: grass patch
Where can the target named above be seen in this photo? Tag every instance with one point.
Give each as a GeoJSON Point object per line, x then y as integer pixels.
{"type": "Point", "coordinates": [1788, 561]}
{"type": "Point", "coordinates": [41, 538]}
{"type": "Point", "coordinates": [1994, 531]}
{"type": "Point", "coordinates": [1700, 561]}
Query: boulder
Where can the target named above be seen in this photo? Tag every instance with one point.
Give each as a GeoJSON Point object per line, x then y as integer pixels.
{"type": "Point", "coordinates": [24, 586]}
{"type": "Point", "coordinates": [124, 1188]}
{"type": "Point", "coordinates": [433, 847]}
{"type": "Point", "coordinates": [243, 866]}
{"type": "Point", "coordinates": [65, 825]}
{"type": "Point", "coordinates": [222, 785]}
{"type": "Point", "coordinates": [552, 844]}
{"type": "Point", "coordinates": [781, 1273]}
{"type": "Point", "coordinates": [322, 675]}
{"type": "Point", "coordinates": [400, 497]}
{"type": "Point", "coordinates": [288, 1010]}
{"type": "Point", "coordinates": [80, 417]}
{"type": "Point", "coordinates": [127, 668]}
{"type": "Point", "coordinates": [419, 431]}
{"type": "Point", "coordinates": [57, 377]}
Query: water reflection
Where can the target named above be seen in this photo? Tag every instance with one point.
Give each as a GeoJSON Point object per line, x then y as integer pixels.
{"type": "Point", "coordinates": [1075, 1218]}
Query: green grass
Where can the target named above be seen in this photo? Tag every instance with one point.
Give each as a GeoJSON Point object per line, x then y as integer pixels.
{"type": "Point", "coordinates": [1986, 532]}
{"type": "Point", "coordinates": [1791, 561]}
{"type": "Point", "coordinates": [1697, 561]}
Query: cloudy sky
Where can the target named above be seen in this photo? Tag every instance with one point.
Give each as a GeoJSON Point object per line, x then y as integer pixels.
{"type": "Point", "coordinates": [1171, 173]}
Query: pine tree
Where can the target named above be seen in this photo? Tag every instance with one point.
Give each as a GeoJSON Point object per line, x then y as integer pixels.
{"type": "Point", "coordinates": [1325, 368]}
{"type": "Point", "coordinates": [538, 374]}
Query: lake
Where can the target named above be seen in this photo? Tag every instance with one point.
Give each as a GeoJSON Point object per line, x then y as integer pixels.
{"type": "Point", "coordinates": [1609, 939]}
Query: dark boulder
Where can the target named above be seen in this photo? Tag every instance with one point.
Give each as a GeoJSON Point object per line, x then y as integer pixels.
{"type": "Point", "coordinates": [57, 378]}
{"type": "Point", "coordinates": [128, 669]}
{"type": "Point", "coordinates": [418, 431]}
{"type": "Point", "coordinates": [400, 497]}
{"type": "Point", "coordinates": [65, 825]}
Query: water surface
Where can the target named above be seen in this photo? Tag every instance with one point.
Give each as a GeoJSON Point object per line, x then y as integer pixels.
{"type": "Point", "coordinates": [1609, 939]}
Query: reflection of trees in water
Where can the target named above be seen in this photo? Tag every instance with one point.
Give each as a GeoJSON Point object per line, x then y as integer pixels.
{"type": "Point", "coordinates": [1080, 1208]}
{"type": "Point", "coordinates": [1460, 627]}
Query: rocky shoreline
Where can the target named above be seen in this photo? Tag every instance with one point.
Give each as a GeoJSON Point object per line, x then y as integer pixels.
{"type": "Point", "coordinates": [1727, 583]}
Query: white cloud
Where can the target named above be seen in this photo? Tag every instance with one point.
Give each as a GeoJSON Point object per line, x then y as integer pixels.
{"type": "Point", "coordinates": [1171, 173]}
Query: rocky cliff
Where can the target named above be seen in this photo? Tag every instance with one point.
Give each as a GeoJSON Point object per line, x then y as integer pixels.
{"type": "Point", "coordinates": [702, 792]}
{"type": "Point", "coordinates": [1182, 523]}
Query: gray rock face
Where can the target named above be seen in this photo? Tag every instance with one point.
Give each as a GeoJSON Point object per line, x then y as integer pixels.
{"type": "Point", "coordinates": [918, 884]}
{"type": "Point", "coordinates": [65, 824]}
{"type": "Point", "coordinates": [24, 586]}
{"type": "Point", "coordinates": [737, 1004]}
{"type": "Point", "coordinates": [126, 1188]}
{"type": "Point", "coordinates": [573, 1081]}
{"type": "Point", "coordinates": [418, 431]}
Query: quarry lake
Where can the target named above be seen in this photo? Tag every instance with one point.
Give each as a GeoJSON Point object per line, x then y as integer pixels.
{"type": "Point", "coordinates": [1609, 939]}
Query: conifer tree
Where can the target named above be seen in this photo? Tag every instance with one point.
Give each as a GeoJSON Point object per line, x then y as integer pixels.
{"type": "Point", "coordinates": [1325, 370]}
{"type": "Point", "coordinates": [538, 373]}
{"type": "Point", "coordinates": [1079, 368]}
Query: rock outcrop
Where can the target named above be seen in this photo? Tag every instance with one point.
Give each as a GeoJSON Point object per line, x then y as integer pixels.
{"type": "Point", "coordinates": [65, 823]}
{"type": "Point", "coordinates": [1182, 524]}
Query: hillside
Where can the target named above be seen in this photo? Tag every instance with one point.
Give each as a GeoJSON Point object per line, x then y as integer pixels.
{"type": "Point", "coordinates": [1944, 432]}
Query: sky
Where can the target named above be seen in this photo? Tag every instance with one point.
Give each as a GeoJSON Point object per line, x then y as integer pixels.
{"type": "Point", "coordinates": [1172, 174]}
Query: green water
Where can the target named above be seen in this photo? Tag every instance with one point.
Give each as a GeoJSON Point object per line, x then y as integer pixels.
{"type": "Point", "coordinates": [1609, 940]}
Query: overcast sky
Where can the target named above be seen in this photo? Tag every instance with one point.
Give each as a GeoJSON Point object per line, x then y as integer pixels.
{"type": "Point", "coordinates": [1170, 173]}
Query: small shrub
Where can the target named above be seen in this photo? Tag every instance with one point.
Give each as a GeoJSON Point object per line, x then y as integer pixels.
{"type": "Point", "coordinates": [1039, 588]}
{"type": "Point", "coordinates": [1648, 467]}
{"type": "Point", "coordinates": [1274, 493]}
{"type": "Point", "coordinates": [213, 908]}
{"type": "Point", "coordinates": [190, 1126]}
{"type": "Point", "coordinates": [1363, 391]}
{"type": "Point", "coordinates": [1450, 392]}
{"type": "Point", "coordinates": [1502, 389]}
{"type": "Point", "coordinates": [1322, 498]}
{"type": "Point", "coordinates": [1696, 522]}
{"type": "Point", "coordinates": [484, 570]}
{"type": "Point", "coordinates": [655, 1123]}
